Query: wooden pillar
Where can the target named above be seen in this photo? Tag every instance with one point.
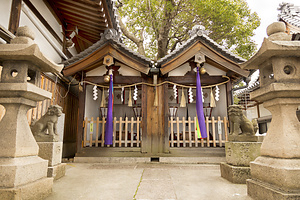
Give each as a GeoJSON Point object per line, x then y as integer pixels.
{"type": "Point", "coordinates": [80, 117]}
{"type": "Point", "coordinates": [229, 93]}
{"type": "Point", "coordinates": [165, 127]}
{"type": "Point", "coordinates": [146, 143]}
{"type": "Point", "coordinates": [14, 16]}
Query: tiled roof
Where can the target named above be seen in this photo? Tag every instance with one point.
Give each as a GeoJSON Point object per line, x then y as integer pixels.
{"type": "Point", "coordinates": [109, 36]}
{"type": "Point", "coordinates": [200, 35]}
{"type": "Point", "coordinates": [112, 36]}
{"type": "Point", "coordinates": [113, 14]}
{"type": "Point", "coordinates": [289, 13]}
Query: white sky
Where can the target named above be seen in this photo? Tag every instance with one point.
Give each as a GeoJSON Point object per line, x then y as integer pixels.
{"type": "Point", "coordinates": [267, 11]}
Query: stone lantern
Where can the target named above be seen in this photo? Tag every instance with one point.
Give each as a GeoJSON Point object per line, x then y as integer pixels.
{"type": "Point", "coordinates": [276, 173]}
{"type": "Point", "coordinates": [23, 175]}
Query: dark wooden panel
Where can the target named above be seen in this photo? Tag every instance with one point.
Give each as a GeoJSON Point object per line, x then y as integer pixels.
{"type": "Point", "coordinates": [117, 79]}
{"type": "Point", "coordinates": [14, 16]}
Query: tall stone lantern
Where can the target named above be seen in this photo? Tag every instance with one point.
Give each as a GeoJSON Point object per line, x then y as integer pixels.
{"type": "Point", "coordinates": [23, 175]}
{"type": "Point", "coordinates": [276, 173]}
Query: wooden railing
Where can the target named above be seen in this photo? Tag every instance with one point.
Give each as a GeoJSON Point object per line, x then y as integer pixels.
{"type": "Point", "coordinates": [126, 133]}
{"type": "Point", "coordinates": [217, 132]}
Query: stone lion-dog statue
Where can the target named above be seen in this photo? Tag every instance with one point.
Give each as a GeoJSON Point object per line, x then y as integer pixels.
{"type": "Point", "coordinates": [45, 129]}
{"type": "Point", "coordinates": [239, 121]}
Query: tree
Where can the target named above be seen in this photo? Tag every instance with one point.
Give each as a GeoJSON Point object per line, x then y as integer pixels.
{"type": "Point", "coordinates": [156, 27]}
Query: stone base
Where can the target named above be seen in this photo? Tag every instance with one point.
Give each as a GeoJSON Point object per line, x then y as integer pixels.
{"type": "Point", "coordinates": [19, 171]}
{"type": "Point", "coordinates": [245, 138]}
{"type": "Point", "coordinates": [262, 191]}
{"type": "Point", "coordinates": [51, 151]}
{"type": "Point", "coordinates": [242, 153]}
{"type": "Point", "coordinates": [36, 190]}
{"type": "Point", "coordinates": [57, 171]}
{"type": "Point", "coordinates": [235, 174]}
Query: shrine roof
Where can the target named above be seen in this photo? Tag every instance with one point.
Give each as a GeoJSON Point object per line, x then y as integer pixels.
{"type": "Point", "coordinates": [290, 14]}
{"type": "Point", "coordinates": [201, 36]}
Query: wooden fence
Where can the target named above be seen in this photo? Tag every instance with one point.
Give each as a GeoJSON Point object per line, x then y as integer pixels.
{"type": "Point", "coordinates": [190, 138]}
{"type": "Point", "coordinates": [126, 133]}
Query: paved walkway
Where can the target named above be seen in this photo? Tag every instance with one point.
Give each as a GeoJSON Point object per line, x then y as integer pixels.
{"type": "Point", "coordinates": [145, 181]}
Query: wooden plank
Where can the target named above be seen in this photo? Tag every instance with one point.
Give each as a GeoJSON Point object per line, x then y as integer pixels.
{"type": "Point", "coordinates": [190, 132]}
{"type": "Point", "coordinates": [137, 131]}
{"type": "Point", "coordinates": [207, 131]}
{"type": "Point", "coordinates": [103, 132]}
{"type": "Point", "coordinates": [225, 123]}
{"type": "Point", "coordinates": [85, 131]}
{"type": "Point", "coordinates": [213, 130]}
{"type": "Point", "coordinates": [15, 14]}
{"type": "Point", "coordinates": [183, 131]}
{"type": "Point", "coordinates": [195, 131]}
{"type": "Point", "coordinates": [120, 132]}
{"type": "Point", "coordinates": [81, 111]}
{"type": "Point", "coordinates": [131, 132]}
{"type": "Point", "coordinates": [114, 132]}
{"type": "Point", "coordinates": [172, 132]}
{"type": "Point", "coordinates": [97, 132]}
{"type": "Point", "coordinates": [178, 134]}
{"type": "Point", "coordinates": [91, 131]}
{"type": "Point", "coordinates": [126, 131]}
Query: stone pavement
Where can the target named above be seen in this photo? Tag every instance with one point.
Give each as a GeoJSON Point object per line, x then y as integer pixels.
{"type": "Point", "coordinates": [116, 181]}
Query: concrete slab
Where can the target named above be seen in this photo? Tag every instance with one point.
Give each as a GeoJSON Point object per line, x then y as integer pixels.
{"type": "Point", "coordinates": [114, 181]}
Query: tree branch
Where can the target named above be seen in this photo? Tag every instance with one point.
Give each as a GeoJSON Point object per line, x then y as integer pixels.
{"type": "Point", "coordinates": [138, 41]}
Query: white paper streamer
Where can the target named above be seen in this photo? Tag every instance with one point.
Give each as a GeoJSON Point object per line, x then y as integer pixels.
{"type": "Point", "coordinates": [217, 95]}
{"type": "Point", "coordinates": [175, 92]}
{"type": "Point", "coordinates": [95, 93]}
{"type": "Point", "coordinates": [202, 96]}
{"type": "Point", "coordinates": [122, 97]}
{"type": "Point", "coordinates": [135, 93]}
{"type": "Point", "coordinates": [191, 95]}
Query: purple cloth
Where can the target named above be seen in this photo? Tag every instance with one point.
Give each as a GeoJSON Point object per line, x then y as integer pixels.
{"type": "Point", "coordinates": [199, 107]}
{"type": "Point", "coordinates": [109, 120]}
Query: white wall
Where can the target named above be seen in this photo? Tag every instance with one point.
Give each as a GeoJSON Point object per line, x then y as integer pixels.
{"type": "Point", "coordinates": [47, 49]}
{"type": "Point", "coordinates": [5, 7]}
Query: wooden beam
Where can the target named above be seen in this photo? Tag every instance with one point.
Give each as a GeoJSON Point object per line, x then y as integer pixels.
{"type": "Point", "coordinates": [15, 13]}
{"type": "Point", "coordinates": [76, 9]}
{"type": "Point", "coordinates": [84, 39]}
{"type": "Point", "coordinates": [5, 34]}
{"type": "Point", "coordinates": [123, 80]}
{"type": "Point", "coordinates": [85, 24]}
{"type": "Point", "coordinates": [83, 16]}
{"type": "Point", "coordinates": [88, 5]}
{"type": "Point", "coordinates": [107, 15]}
{"type": "Point", "coordinates": [188, 80]}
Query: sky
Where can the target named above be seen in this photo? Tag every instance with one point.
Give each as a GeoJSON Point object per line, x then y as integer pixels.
{"type": "Point", "coordinates": [267, 11]}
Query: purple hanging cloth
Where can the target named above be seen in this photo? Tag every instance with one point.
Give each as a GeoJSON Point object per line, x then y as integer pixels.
{"type": "Point", "coordinates": [201, 128]}
{"type": "Point", "coordinates": [109, 120]}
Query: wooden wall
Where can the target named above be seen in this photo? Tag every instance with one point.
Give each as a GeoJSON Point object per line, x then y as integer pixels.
{"type": "Point", "coordinates": [68, 102]}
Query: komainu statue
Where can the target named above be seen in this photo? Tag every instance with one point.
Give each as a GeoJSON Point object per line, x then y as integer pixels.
{"type": "Point", "coordinates": [45, 129]}
{"type": "Point", "coordinates": [239, 121]}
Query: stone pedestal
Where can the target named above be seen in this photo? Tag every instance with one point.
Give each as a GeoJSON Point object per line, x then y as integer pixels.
{"type": "Point", "coordinates": [52, 151]}
{"type": "Point", "coordinates": [238, 158]}
{"type": "Point", "coordinates": [23, 175]}
{"type": "Point", "coordinates": [276, 173]}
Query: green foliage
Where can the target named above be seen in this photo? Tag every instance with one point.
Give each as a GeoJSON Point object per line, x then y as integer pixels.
{"type": "Point", "coordinates": [165, 23]}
